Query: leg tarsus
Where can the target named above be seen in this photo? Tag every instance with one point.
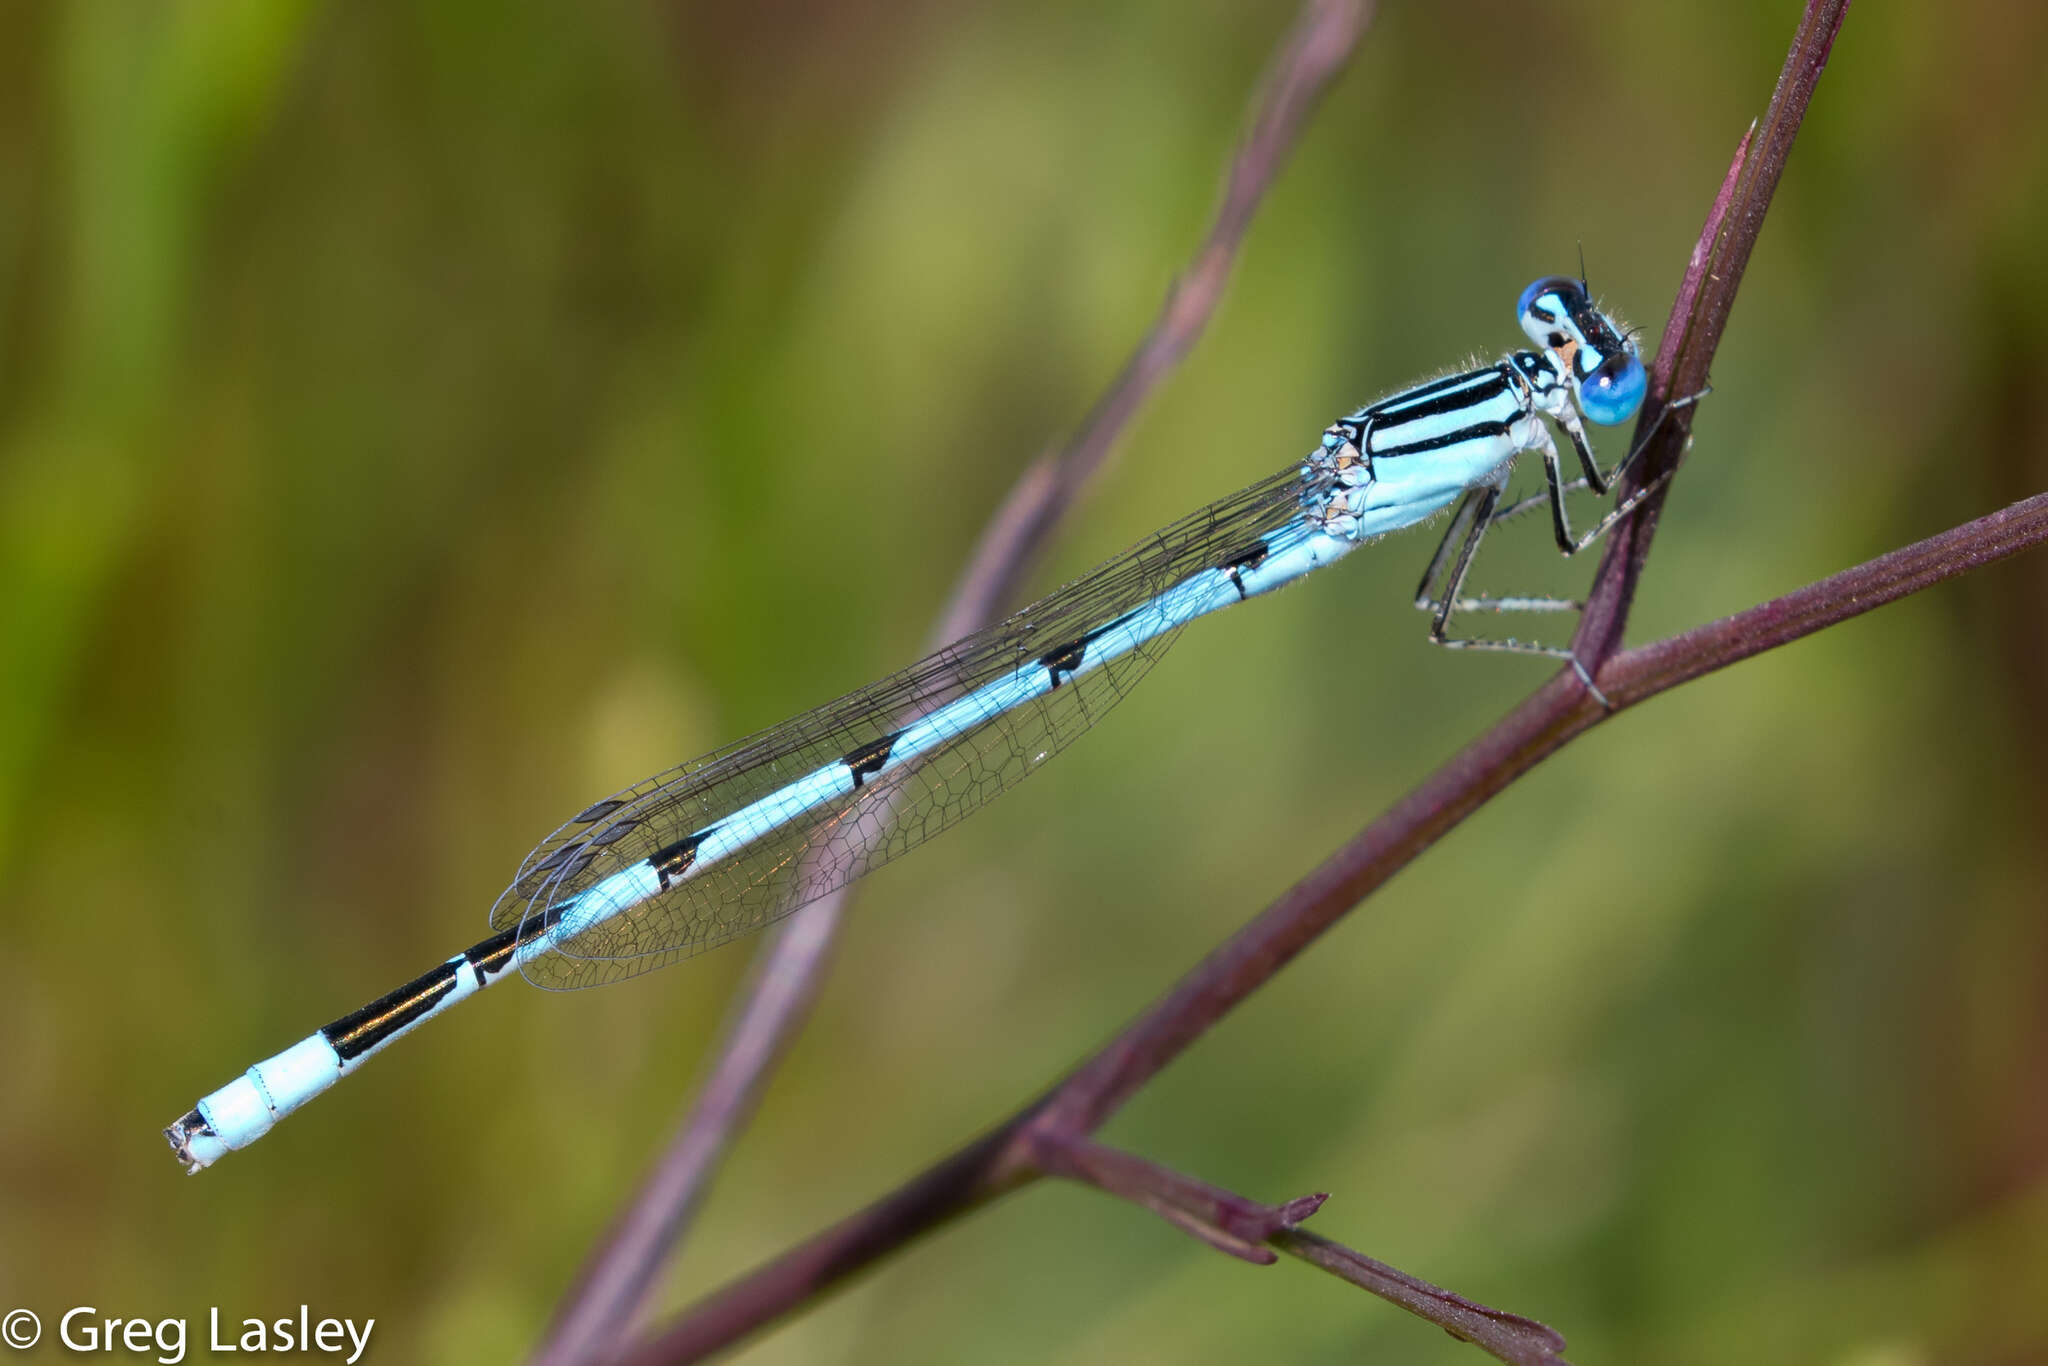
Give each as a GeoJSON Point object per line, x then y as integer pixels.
{"type": "Point", "coordinates": [1623, 509]}
{"type": "Point", "coordinates": [1587, 679]}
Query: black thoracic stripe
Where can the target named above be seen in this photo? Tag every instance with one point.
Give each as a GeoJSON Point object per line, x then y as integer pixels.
{"type": "Point", "coordinates": [360, 1031]}
{"type": "Point", "coordinates": [1250, 558]}
{"type": "Point", "coordinates": [867, 761]}
{"type": "Point", "coordinates": [1463, 434]}
{"type": "Point", "coordinates": [673, 860]}
{"type": "Point", "coordinates": [1495, 385]}
{"type": "Point", "coordinates": [1425, 390]}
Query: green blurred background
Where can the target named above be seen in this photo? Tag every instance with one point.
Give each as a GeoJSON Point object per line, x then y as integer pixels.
{"type": "Point", "coordinates": [417, 421]}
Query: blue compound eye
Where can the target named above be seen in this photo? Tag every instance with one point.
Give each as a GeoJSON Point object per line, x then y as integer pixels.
{"type": "Point", "coordinates": [1611, 394]}
{"type": "Point", "coordinates": [1561, 285]}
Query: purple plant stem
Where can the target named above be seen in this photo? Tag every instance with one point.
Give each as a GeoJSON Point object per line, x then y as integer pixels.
{"type": "Point", "coordinates": [599, 1309]}
{"type": "Point", "coordinates": [1510, 1337]}
{"type": "Point", "coordinates": [1314, 50]}
{"type": "Point", "coordinates": [1699, 317]}
{"type": "Point", "coordinates": [1223, 1219]}
{"type": "Point", "coordinates": [1647, 670]}
{"type": "Point", "coordinates": [1557, 712]}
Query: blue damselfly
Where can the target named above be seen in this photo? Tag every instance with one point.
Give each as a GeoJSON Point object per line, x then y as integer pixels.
{"type": "Point", "coordinates": [732, 841]}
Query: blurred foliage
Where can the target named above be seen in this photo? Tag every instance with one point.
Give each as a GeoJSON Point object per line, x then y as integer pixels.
{"type": "Point", "coordinates": [417, 420]}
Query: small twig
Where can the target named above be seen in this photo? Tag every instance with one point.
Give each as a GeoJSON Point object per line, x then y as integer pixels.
{"type": "Point", "coordinates": [1225, 1220]}
{"type": "Point", "coordinates": [1706, 297]}
{"type": "Point", "coordinates": [597, 1313]}
{"type": "Point", "coordinates": [1510, 1337]}
{"type": "Point", "coordinates": [1310, 56]}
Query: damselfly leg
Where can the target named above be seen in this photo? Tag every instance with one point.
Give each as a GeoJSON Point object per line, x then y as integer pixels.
{"type": "Point", "coordinates": [1480, 510]}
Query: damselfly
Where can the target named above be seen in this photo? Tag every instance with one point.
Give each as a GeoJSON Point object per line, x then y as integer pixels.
{"type": "Point", "coordinates": [743, 836]}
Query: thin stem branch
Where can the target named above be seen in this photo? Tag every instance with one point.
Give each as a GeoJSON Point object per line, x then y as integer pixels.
{"type": "Point", "coordinates": [1252, 1231]}
{"type": "Point", "coordinates": [599, 1309]}
{"type": "Point", "coordinates": [1647, 670]}
{"type": "Point", "coordinates": [1225, 1220]}
{"type": "Point", "coordinates": [1706, 297]}
{"type": "Point", "coordinates": [1310, 56]}
{"type": "Point", "coordinates": [1560, 710]}
{"type": "Point", "coordinates": [1510, 1337]}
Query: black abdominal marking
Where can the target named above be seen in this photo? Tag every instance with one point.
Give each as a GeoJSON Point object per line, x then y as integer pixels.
{"type": "Point", "coordinates": [672, 861]}
{"type": "Point", "coordinates": [1250, 558]}
{"type": "Point", "coordinates": [867, 761]}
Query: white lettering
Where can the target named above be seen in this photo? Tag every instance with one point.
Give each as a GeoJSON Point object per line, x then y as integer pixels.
{"type": "Point", "coordinates": [170, 1337]}
{"type": "Point", "coordinates": [91, 1341]}
{"type": "Point", "coordinates": [165, 1336]}
{"type": "Point", "coordinates": [83, 1330]}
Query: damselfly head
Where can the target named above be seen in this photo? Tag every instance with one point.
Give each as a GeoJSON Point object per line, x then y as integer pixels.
{"type": "Point", "coordinates": [1587, 345]}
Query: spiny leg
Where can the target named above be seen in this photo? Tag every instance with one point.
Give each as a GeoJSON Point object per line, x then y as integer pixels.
{"type": "Point", "coordinates": [1567, 418]}
{"type": "Point", "coordinates": [1457, 531]}
{"type": "Point", "coordinates": [1621, 510]}
{"type": "Point", "coordinates": [1552, 494]}
{"type": "Point", "coordinates": [1555, 486]}
{"type": "Point", "coordinates": [1493, 514]}
{"type": "Point", "coordinates": [1634, 500]}
{"type": "Point", "coordinates": [1483, 502]}
{"type": "Point", "coordinates": [1553, 475]}
{"type": "Point", "coordinates": [1534, 501]}
{"type": "Point", "coordinates": [1641, 495]}
{"type": "Point", "coordinates": [1463, 534]}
